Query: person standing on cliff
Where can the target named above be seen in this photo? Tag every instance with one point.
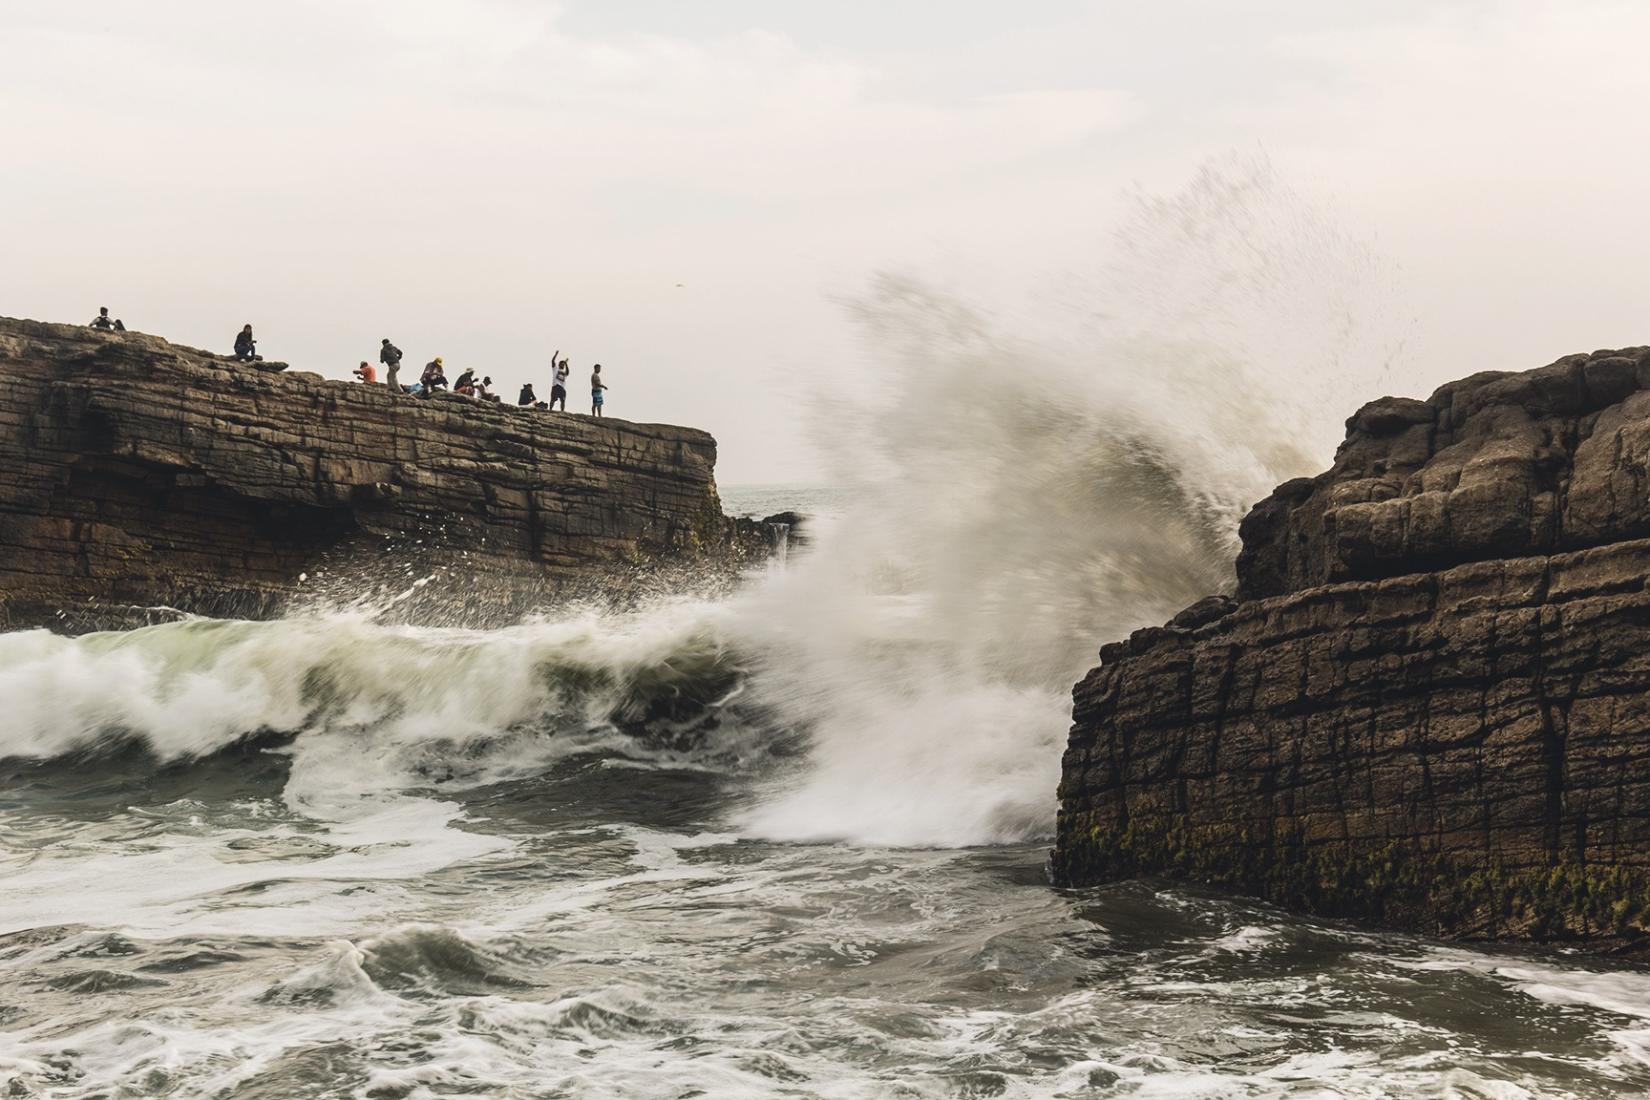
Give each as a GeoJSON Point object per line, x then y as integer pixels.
{"type": "Point", "coordinates": [101, 321]}
{"type": "Point", "coordinates": [558, 384]}
{"type": "Point", "coordinates": [246, 348]}
{"type": "Point", "coordinates": [597, 389]}
{"type": "Point", "coordinates": [390, 356]}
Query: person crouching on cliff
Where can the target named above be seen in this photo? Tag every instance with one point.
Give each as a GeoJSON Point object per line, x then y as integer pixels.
{"type": "Point", "coordinates": [433, 378]}
{"type": "Point", "coordinates": [390, 356]}
{"type": "Point", "coordinates": [246, 348]}
{"type": "Point", "coordinates": [597, 389]}
{"type": "Point", "coordinates": [366, 372]}
{"type": "Point", "coordinates": [528, 397]}
{"type": "Point", "coordinates": [466, 383]}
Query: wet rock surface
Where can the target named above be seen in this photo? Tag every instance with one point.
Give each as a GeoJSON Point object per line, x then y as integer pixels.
{"type": "Point", "coordinates": [1429, 705]}
{"type": "Point", "coordinates": [140, 479]}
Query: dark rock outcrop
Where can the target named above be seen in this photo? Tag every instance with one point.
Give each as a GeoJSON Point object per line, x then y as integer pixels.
{"type": "Point", "coordinates": [138, 476]}
{"type": "Point", "coordinates": [1429, 705]}
{"type": "Point", "coordinates": [1496, 465]}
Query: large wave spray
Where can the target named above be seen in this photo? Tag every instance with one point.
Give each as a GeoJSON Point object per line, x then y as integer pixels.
{"type": "Point", "coordinates": [1023, 487]}
{"type": "Point", "coordinates": [1032, 487]}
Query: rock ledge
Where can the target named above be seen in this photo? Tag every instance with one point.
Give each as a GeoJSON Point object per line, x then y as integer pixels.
{"type": "Point", "coordinates": [142, 479]}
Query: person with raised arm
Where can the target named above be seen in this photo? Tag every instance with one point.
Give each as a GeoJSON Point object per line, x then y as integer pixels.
{"type": "Point", "coordinates": [558, 383]}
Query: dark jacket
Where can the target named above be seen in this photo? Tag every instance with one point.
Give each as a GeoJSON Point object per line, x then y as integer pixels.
{"type": "Point", "coordinates": [527, 396]}
{"type": "Point", "coordinates": [244, 344]}
{"type": "Point", "coordinates": [390, 355]}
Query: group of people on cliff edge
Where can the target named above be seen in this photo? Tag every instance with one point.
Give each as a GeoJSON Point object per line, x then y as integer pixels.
{"type": "Point", "coordinates": [434, 379]}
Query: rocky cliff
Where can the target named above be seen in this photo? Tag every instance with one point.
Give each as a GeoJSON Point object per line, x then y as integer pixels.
{"type": "Point", "coordinates": [1428, 705]}
{"type": "Point", "coordinates": [137, 475]}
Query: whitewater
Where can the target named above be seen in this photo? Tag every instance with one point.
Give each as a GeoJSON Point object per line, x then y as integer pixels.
{"type": "Point", "coordinates": [784, 841]}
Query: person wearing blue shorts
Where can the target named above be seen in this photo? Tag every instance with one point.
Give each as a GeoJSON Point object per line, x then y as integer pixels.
{"type": "Point", "coordinates": [596, 388]}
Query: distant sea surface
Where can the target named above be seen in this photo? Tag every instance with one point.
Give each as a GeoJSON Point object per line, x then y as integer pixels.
{"type": "Point", "coordinates": [766, 500]}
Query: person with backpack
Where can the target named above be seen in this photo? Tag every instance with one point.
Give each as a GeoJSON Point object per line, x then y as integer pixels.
{"type": "Point", "coordinates": [390, 356]}
{"type": "Point", "coordinates": [102, 321]}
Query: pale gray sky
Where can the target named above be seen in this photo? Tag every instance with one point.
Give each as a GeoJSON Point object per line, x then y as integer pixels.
{"type": "Point", "coordinates": [484, 179]}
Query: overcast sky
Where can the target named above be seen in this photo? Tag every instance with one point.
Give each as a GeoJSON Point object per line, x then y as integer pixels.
{"type": "Point", "coordinates": [681, 191]}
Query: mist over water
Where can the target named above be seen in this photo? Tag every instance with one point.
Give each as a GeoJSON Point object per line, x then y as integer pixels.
{"type": "Point", "coordinates": [1024, 489]}
{"type": "Point", "coordinates": [333, 856]}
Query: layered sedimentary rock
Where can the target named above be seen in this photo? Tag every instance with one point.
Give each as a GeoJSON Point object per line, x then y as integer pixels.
{"type": "Point", "coordinates": [136, 474]}
{"type": "Point", "coordinates": [1428, 705]}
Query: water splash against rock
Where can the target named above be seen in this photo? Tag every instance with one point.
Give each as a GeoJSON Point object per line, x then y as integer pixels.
{"type": "Point", "coordinates": [1021, 496]}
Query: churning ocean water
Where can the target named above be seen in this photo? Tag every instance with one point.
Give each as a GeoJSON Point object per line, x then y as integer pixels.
{"type": "Point", "coordinates": [789, 842]}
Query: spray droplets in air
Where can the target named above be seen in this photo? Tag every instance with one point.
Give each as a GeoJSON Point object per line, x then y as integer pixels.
{"type": "Point", "coordinates": [1021, 496]}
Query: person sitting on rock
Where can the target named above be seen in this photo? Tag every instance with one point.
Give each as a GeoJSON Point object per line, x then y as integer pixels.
{"type": "Point", "coordinates": [484, 388]}
{"type": "Point", "coordinates": [246, 348]}
{"type": "Point", "coordinates": [366, 372]}
{"type": "Point", "coordinates": [527, 397]}
{"type": "Point", "coordinates": [466, 383]}
{"type": "Point", "coordinates": [597, 389]}
{"type": "Point", "coordinates": [390, 356]}
{"type": "Point", "coordinates": [434, 377]}
{"type": "Point", "coordinates": [101, 321]}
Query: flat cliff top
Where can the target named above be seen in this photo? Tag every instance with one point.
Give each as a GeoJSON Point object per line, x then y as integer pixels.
{"type": "Point", "coordinates": [1497, 465]}
{"type": "Point", "coordinates": [26, 341]}
{"type": "Point", "coordinates": [138, 473]}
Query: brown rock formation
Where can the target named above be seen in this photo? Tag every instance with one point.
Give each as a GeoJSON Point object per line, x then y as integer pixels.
{"type": "Point", "coordinates": [1429, 706]}
{"type": "Point", "coordinates": [136, 474]}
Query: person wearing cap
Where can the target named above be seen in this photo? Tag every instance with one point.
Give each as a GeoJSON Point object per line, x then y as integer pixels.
{"type": "Point", "coordinates": [434, 377]}
{"type": "Point", "coordinates": [390, 356]}
{"type": "Point", "coordinates": [366, 372]}
{"type": "Point", "coordinates": [102, 321]}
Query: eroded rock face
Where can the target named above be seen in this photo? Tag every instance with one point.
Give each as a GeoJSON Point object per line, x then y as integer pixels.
{"type": "Point", "coordinates": [1429, 706]}
{"type": "Point", "coordinates": [136, 475]}
{"type": "Point", "coordinates": [1495, 465]}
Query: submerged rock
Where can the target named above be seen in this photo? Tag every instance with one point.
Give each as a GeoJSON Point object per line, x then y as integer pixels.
{"type": "Point", "coordinates": [1429, 706]}
{"type": "Point", "coordinates": [142, 479]}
